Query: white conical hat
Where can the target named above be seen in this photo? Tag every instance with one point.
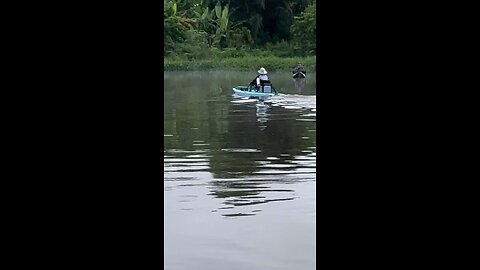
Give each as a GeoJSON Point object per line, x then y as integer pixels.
{"type": "Point", "coordinates": [262, 71]}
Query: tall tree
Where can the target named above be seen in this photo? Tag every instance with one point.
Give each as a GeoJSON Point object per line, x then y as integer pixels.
{"type": "Point", "coordinates": [304, 29]}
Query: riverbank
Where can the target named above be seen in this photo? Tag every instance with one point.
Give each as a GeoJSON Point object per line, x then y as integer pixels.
{"type": "Point", "coordinates": [245, 63]}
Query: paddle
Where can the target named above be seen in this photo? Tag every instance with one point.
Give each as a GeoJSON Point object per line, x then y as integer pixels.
{"type": "Point", "coordinates": [275, 90]}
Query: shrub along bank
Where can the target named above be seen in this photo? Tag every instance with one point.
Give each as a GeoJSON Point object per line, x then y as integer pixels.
{"type": "Point", "coordinates": [247, 63]}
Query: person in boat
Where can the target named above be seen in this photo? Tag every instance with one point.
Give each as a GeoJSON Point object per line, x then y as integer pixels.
{"type": "Point", "coordinates": [299, 68]}
{"type": "Point", "coordinates": [261, 80]}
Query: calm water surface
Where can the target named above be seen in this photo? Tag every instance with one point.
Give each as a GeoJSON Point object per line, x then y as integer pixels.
{"type": "Point", "coordinates": [239, 173]}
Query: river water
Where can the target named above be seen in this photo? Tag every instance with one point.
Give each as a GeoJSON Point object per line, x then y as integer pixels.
{"type": "Point", "coordinates": [239, 173]}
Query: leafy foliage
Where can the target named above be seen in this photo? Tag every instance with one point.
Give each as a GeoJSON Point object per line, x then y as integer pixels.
{"type": "Point", "coordinates": [194, 28]}
{"type": "Point", "coordinates": [305, 28]}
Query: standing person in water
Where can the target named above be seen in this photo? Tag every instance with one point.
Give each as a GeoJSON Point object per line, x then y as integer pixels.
{"type": "Point", "coordinates": [261, 79]}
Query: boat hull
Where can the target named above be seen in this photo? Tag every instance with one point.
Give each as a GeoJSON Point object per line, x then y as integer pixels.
{"type": "Point", "coordinates": [244, 91]}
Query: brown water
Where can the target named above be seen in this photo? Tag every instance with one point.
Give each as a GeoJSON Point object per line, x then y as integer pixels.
{"type": "Point", "coordinates": [239, 173]}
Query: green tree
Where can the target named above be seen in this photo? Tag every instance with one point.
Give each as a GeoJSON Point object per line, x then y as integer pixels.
{"type": "Point", "coordinates": [175, 25]}
{"type": "Point", "coordinates": [304, 29]}
{"type": "Point", "coordinates": [266, 24]}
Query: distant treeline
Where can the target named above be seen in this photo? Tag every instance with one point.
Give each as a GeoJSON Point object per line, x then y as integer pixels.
{"type": "Point", "coordinates": [196, 29]}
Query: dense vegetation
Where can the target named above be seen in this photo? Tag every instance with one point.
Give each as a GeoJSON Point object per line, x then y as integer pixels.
{"type": "Point", "coordinates": [226, 33]}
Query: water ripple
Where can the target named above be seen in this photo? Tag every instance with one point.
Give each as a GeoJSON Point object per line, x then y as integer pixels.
{"type": "Point", "coordinates": [267, 184]}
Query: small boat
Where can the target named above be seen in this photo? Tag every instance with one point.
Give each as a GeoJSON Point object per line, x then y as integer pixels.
{"type": "Point", "coordinates": [252, 92]}
{"type": "Point", "coordinates": [299, 75]}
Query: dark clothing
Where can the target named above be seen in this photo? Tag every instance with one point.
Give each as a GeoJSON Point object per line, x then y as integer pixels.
{"type": "Point", "coordinates": [299, 68]}
{"type": "Point", "coordinates": [253, 85]}
{"type": "Point", "coordinates": [262, 82]}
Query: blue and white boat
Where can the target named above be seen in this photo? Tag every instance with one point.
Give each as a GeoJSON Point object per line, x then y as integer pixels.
{"type": "Point", "coordinates": [265, 91]}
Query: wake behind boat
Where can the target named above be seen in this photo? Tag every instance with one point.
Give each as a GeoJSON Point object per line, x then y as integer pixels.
{"type": "Point", "coordinates": [266, 91]}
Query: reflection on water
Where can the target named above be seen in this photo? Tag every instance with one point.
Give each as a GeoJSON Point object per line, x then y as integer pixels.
{"type": "Point", "coordinates": [262, 115]}
{"type": "Point", "coordinates": [299, 84]}
{"type": "Point", "coordinates": [250, 161]}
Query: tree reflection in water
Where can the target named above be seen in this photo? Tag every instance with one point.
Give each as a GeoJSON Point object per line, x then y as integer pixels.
{"type": "Point", "coordinates": [269, 144]}
{"type": "Point", "coordinates": [253, 150]}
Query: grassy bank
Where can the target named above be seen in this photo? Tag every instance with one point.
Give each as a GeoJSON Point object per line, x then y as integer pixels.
{"type": "Point", "coordinates": [243, 63]}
